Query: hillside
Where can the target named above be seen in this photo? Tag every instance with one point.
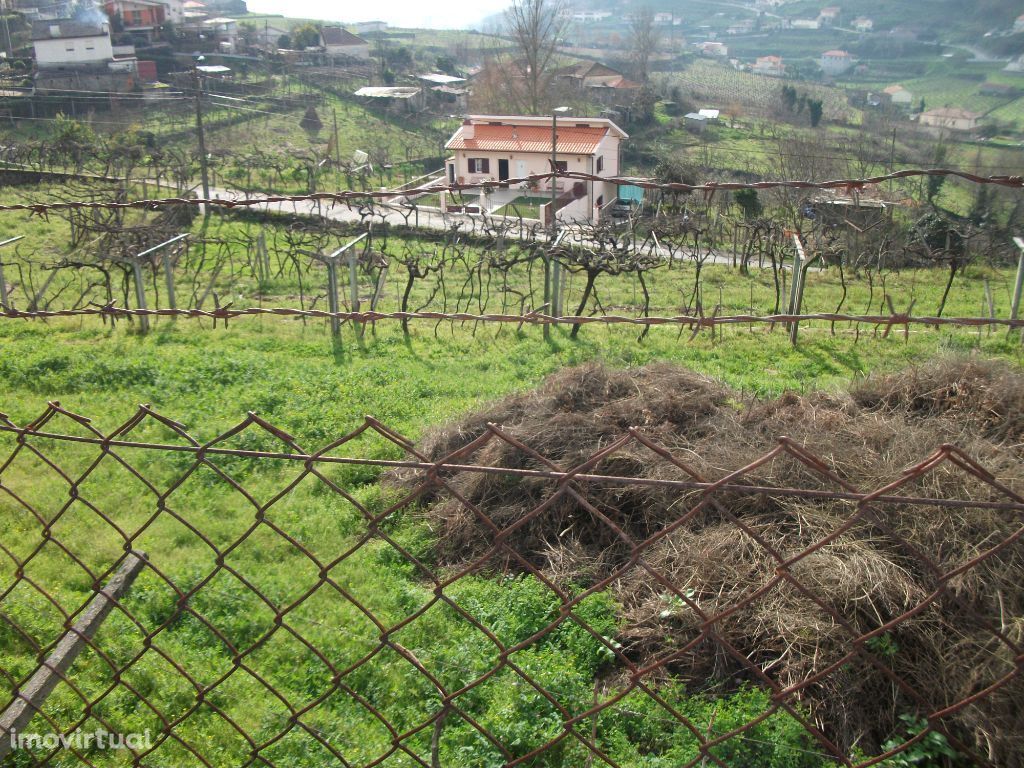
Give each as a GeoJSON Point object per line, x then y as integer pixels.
{"type": "Point", "coordinates": [948, 20]}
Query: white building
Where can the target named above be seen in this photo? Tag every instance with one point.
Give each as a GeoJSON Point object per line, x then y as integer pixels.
{"type": "Point", "coordinates": [836, 62]}
{"type": "Point", "coordinates": [950, 118]}
{"type": "Point", "coordinates": [805, 24]}
{"type": "Point", "coordinates": [69, 44]}
{"type": "Point", "coordinates": [863, 24]}
{"type": "Point", "coordinates": [502, 147]}
{"type": "Point", "coordinates": [899, 96]}
{"type": "Point", "coordinates": [591, 17]}
{"type": "Point", "coordinates": [772, 66]}
{"type": "Point", "coordinates": [338, 41]}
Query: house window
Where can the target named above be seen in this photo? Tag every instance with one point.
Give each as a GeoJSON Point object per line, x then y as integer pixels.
{"type": "Point", "coordinates": [479, 165]}
{"type": "Point", "coordinates": [69, 47]}
{"type": "Point", "coordinates": [562, 166]}
{"type": "Point", "coordinates": [600, 163]}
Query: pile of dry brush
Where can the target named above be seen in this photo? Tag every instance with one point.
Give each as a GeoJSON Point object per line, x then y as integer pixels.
{"type": "Point", "coordinates": [863, 578]}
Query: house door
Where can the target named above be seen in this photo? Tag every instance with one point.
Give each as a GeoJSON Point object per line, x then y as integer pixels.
{"type": "Point", "coordinates": [451, 173]}
{"type": "Point", "coordinates": [521, 171]}
{"type": "Point", "coordinates": [503, 170]}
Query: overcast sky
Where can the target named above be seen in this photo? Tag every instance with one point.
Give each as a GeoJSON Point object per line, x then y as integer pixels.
{"type": "Point", "coordinates": [438, 14]}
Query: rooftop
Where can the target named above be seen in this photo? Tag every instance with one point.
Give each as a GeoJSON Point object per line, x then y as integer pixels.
{"type": "Point", "coordinates": [340, 36]}
{"type": "Point", "coordinates": [532, 134]}
{"type": "Point", "coordinates": [387, 92]}
{"type": "Point", "coordinates": [953, 113]}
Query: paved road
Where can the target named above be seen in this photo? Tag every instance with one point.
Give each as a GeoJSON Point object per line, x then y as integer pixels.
{"type": "Point", "coordinates": [427, 219]}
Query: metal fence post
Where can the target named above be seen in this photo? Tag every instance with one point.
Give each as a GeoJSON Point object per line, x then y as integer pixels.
{"type": "Point", "coordinates": [796, 288]}
{"type": "Point", "coordinates": [3, 281]}
{"type": "Point", "coordinates": [140, 293]}
{"type": "Point", "coordinates": [1015, 307]}
{"type": "Point", "coordinates": [332, 295]}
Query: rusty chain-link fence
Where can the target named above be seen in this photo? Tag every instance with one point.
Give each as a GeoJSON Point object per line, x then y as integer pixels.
{"type": "Point", "coordinates": [246, 601]}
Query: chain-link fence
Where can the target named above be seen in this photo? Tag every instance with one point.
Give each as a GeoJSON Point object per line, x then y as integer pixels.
{"type": "Point", "coordinates": [247, 601]}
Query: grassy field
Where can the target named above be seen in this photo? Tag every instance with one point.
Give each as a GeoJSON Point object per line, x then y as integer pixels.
{"type": "Point", "coordinates": [295, 377]}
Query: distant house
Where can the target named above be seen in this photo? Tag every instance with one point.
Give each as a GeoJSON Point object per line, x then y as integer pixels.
{"type": "Point", "coordinates": [713, 48]}
{"type": "Point", "coordinates": [591, 17]}
{"type": "Point", "coordinates": [140, 17]}
{"type": "Point", "coordinates": [950, 118]}
{"type": "Point", "coordinates": [501, 147]}
{"type": "Point", "coordinates": [1016, 65]}
{"type": "Point", "coordinates": [667, 19]}
{"type": "Point", "coordinates": [836, 62]}
{"type": "Point", "coordinates": [338, 41]}
{"type": "Point", "coordinates": [696, 122]}
{"type": "Point", "coordinates": [898, 95]}
{"type": "Point", "coordinates": [223, 31]}
{"type": "Point", "coordinates": [1018, 25]}
{"type": "Point", "coordinates": [599, 80]}
{"type": "Point", "coordinates": [805, 24]}
{"type": "Point", "coordinates": [829, 17]}
{"type": "Point", "coordinates": [587, 73]}
{"type": "Point", "coordinates": [70, 44]}
{"type": "Point", "coordinates": [769, 65]}
{"type": "Point", "coordinates": [863, 24]}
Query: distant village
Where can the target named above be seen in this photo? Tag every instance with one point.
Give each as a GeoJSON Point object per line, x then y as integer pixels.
{"type": "Point", "coordinates": [148, 46]}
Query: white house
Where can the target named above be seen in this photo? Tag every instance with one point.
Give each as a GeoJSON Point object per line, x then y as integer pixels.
{"type": "Point", "coordinates": [829, 17]}
{"type": "Point", "coordinates": [1018, 25]}
{"type": "Point", "coordinates": [836, 62]}
{"type": "Point", "coordinates": [950, 118]}
{"type": "Point", "coordinates": [863, 24]}
{"type": "Point", "coordinates": [502, 147]}
{"type": "Point", "coordinates": [804, 24]}
{"type": "Point", "coordinates": [772, 66]}
{"type": "Point", "coordinates": [899, 96]}
{"type": "Point", "coordinates": [338, 41]}
{"type": "Point", "coordinates": [70, 44]}
{"type": "Point", "coordinates": [224, 31]}
{"type": "Point", "coordinates": [591, 17]}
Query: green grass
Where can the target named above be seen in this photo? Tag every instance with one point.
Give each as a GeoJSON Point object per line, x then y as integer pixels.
{"type": "Point", "coordinates": [296, 378]}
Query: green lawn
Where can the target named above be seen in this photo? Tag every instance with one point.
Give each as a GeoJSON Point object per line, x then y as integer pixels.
{"type": "Point", "coordinates": [296, 378]}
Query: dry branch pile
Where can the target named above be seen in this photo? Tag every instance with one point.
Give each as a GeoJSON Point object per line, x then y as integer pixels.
{"type": "Point", "coordinates": [729, 548]}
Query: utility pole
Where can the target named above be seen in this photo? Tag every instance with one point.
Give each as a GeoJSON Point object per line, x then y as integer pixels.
{"type": "Point", "coordinates": [552, 271]}
{"type": "Point", "coordinates": [200, 135]}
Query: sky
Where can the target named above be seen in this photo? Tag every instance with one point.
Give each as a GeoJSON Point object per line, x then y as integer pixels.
{"type": "Point", "coordinates": [436, 14]}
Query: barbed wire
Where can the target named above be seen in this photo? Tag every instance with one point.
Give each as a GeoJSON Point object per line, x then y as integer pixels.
{"type": "Point", "coordinates": [694, 322]}
{"type": "Point", "coordinates": [851, 186]}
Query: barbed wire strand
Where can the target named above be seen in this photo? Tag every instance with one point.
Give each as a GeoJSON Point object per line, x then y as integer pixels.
{"type": "Point", "coordinates": [345, 196]}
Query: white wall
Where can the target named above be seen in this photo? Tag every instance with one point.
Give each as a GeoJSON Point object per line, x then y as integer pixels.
{"type": "Point", "coordinates": [355, 51]}
{"type": "Point", "coordinates": [83, 51]}
{"type": "Point", "coordinates": [537, 163]}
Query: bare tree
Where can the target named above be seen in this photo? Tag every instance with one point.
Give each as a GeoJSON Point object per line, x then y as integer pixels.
{"type": "Point", "coordinates": [644, 39]}
{"type": "Point", "coordinates": [535, 27]}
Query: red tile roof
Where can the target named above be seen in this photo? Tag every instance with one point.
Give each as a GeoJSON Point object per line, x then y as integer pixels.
{"type": "Point", "coordinates": [572, 140]}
